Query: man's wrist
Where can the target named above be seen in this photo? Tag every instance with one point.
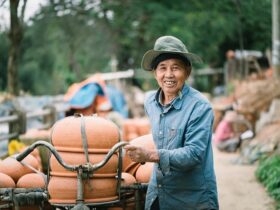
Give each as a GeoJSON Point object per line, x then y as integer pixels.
{"type": "Point", "coordinates": [154, 156]}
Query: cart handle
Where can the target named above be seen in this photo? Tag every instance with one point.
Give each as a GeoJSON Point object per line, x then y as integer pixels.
{"type": "Point", "coordinates": [87, 167]}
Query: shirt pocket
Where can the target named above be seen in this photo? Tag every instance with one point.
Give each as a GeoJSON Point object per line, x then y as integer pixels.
{"type": "Point", "coordinates": [173, 137]}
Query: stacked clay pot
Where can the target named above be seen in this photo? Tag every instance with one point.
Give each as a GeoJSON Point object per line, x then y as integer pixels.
{"type": "Point", "coordinates": [131, 129]}
{"type": "Point", "coordinates": [143, 172]}
{"type": "Point", "coordinates": [16, 169]}
{"type": "Point", "coordinates": [66, 137]}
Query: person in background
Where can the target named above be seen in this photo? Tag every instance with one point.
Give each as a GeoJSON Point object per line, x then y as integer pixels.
{"type": "Point", "coordinates": [181, 118]}
{"type": "Point", "coordinates": [225, 138]}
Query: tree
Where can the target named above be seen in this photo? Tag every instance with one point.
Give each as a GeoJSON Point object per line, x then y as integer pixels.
{"type": "Point", "coordinates": [15, 36]}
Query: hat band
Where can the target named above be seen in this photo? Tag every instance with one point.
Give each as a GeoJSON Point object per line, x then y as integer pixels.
{"type": "Point", "coordinates": [166, 56]}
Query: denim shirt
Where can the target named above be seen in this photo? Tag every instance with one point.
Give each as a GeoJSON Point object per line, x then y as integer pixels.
{"type": "Point", "coordinates": [184, 178]}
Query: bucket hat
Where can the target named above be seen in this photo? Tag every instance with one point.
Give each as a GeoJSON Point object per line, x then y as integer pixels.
{"type": "Point", "coordinates": [167, 44]}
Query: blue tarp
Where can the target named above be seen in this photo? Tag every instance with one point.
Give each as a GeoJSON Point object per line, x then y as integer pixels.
{"type": "Point", "coordinates": [86, 95]}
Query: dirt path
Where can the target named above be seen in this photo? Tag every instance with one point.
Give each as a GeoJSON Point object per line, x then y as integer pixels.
{"type": "Point", "coordinates": [237, 186]}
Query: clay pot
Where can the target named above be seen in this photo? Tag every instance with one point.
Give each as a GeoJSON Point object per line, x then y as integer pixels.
{"type": "Point", "coordinates": [143, 126]}
{"type": "Point", "coordinates": [6, 181]}
{"type": "Point", "coordinates": [36, 154]}
{"type": "Point", "coordinates": [132, 168]}
{"type": "Point", "coordinates": [63, 190]}
{"type": "Point", "coordinates": [101, 134]}
{"type": "Point", "coordinates": [131, 136]}
{"type": "Point", "coordinates": [126, 161]}
{"type": "Point", "coordinates": [127, 179]}
{"type": "Point", "coordinates": [79, 158]}
{"type": "Point", "coordinates": [129, 126]}
{"type": "Point", "coordinates": [15, 169]}
{"type": "Point", "coordinates": [144, 172]}
{"type": "Point", "coordinates": [145, 141]}
{"type": "Point", "coordinates": [32, 180]}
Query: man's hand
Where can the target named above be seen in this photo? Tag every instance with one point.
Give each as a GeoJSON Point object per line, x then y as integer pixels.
{"type": "Point", "coordinates": [140, 154]}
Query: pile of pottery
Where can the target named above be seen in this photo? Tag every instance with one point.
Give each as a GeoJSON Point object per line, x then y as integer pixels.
{"type": "Point", "coordinates": [133, 128]}
{"type": "Point", "coordinates": [15, 174]}
{"type": "Point", "coordinates": [67, 138]}
{"type": "Point", "coordinates": [19, 172]}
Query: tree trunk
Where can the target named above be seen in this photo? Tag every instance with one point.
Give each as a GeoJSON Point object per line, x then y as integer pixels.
{"type": "Point", "coordinates": [276, 38]}
{"type": "Point", "coordinates": [15, 36]}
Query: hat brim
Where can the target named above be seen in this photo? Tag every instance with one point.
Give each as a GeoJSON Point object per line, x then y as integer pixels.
{"type": "Point", "coordinates": [150, 55]}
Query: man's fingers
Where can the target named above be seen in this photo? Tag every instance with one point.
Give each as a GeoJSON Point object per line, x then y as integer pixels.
{"type": "Point", "coordinates": [130, 147]}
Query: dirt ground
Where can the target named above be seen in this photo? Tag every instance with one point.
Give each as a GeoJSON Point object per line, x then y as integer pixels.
{"type": "Point", "coordinates": [238, 188]}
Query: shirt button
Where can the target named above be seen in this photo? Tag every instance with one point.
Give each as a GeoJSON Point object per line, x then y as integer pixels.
{"type": "Point", "coordinates": [159, 185]}
{"type": "Point", "coordinates": [160, 132]}
{"type": "Point", "coordinates": [162, 115]}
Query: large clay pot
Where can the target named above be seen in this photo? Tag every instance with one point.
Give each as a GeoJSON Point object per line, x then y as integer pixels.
{"type": "Point", "coordinates": [101, 134]}
{"type": "Point", "coordinates": [16, 169]}
{"type": "Point", "coordinates": [144, 172]}
{"type": "Point", "coordinates": [145, 141]}
{"type": "Point", "coordinates": [66, 137]}
{"type": "Point", "coordinates": [6, 181]}
{"type": "Point", "coordinates": [63, 190]}
{"type": "Point", "coordinates": [75, 158]}
{"type": "Point", "coordinates": [32, 180]}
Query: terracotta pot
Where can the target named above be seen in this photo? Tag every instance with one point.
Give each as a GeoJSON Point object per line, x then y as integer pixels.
{"type": "Point", "coordinates": [131, 136]}
{"type": "Point", "coordinates": [132, 168]}
{"type": "Point", "coordinates": [63, 190]}
{"type": "Point", "coordinates": [75, 158]}
{"type": "Point", "coordinates": [127, 179]}
{"type": "Point", "coordinates": [32, 180]}
{"type": "Point", "coordinates": [6, 181]}
{"type": "Point", "coordinates": [129, 126]}
{"type": "Point", "coordinates": [143, 126]}
{"type": "Point", "coordinates": [15, 169]}
{"type": "Point", "coordinates": [101, 133]}
{"type": "Point", "coordinates": [144, 141]}
{"type": "Point", "coordinates": [126, 161]}
{"type": "Point", "coordinates": [144, 172]}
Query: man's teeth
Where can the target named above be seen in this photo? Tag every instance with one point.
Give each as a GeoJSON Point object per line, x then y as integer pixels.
{"type": "Point", "coordinates": [169, 82]}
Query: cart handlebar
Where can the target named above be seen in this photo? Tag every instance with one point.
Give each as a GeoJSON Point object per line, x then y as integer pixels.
{"type": "Point", "coordinates": [87, 167]}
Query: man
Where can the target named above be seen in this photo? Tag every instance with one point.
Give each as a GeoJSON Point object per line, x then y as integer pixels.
{"type": "Point", "coordinates": [181, 120]}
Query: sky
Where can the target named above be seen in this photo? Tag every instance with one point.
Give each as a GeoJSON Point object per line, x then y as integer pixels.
{"type": "Point", "coordinates": [31, 7]}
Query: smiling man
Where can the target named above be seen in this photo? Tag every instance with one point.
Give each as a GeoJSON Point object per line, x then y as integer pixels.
{"type": "Point", "coordinates": [181, 119]}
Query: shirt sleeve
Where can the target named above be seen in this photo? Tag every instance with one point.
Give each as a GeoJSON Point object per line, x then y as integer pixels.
{"type": "Point", "coordinates": [196, 139]}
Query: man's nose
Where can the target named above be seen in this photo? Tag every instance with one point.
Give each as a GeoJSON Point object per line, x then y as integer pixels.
{"type": "Point", "coordinates": [169, 72]}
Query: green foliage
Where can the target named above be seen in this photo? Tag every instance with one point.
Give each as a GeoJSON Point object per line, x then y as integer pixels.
{"type": "Point", "coordinates": [68, 40]}
{"type": "Point", "coordinates": [268, 172]}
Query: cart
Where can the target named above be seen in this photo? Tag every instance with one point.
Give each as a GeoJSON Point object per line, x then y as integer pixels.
{"type": "Point", "coordinates": [128, 195]}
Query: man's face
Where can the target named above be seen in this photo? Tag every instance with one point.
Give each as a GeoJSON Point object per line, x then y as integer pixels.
{"type": "Point", "coordinates": [171, 75]}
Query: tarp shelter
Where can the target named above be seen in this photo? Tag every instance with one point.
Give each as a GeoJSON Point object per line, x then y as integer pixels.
{"type": "Point", "coordinates": [92, 94]}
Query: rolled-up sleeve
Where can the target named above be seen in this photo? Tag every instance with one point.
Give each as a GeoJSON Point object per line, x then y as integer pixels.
{"type": "Point", "coordinates": [196, 137]}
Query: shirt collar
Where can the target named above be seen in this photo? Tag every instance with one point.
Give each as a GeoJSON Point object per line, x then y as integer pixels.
{"type": "Point", "coordinates": [176, 102]}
